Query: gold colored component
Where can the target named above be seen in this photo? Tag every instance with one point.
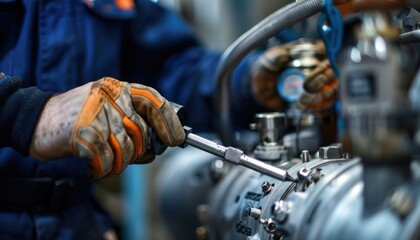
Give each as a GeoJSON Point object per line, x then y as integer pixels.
{"type": "Point", "coordinates": [376, 24]}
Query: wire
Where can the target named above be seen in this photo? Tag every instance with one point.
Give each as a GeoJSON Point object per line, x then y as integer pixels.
{"type": "Point", "coordinates": [330, 29]}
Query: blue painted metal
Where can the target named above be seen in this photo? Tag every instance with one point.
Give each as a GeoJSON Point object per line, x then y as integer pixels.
{"type": "Point", "coordinates": [134, 185]}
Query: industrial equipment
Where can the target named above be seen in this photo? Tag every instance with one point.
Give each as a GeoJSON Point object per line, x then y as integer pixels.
{"type": "Point", "coordinates": [364, 186]}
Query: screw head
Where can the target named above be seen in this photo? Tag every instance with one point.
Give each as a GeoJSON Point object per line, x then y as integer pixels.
{"type": "Point", "coordinates": [255, 213]}
{"type": "Point", "coordinates": [303, 174]}
{"type": "Point", "coordinates": [266, 187]}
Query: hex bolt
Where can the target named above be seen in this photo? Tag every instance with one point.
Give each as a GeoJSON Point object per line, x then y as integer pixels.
{"type": "Point", "coordinates": [303, 174]}
{"type": "Point", "coordinates": [330, 152]}
{"type": "Point", "coordinates": [255, 213]}
{"type": "Point", "coordinates": [266, 187]}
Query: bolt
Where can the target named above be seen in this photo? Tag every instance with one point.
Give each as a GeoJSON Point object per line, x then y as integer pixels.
{"type": "Point", "coordinates": [346, 155]}
{"type": "Point", "coordinates": [217, 169]}
{"type": "Point", "coordinates": [255, 213]}
{"type": "Point", "coordinates": [303, 174]}
{"type": "Point", "coordinates": [401, 202]}
{"type": "Point", "coordinates": [317, 175]}
{"type": "Point", "coordinates": [280, 210]}
{"type": "Point", "coordinates": [305, 156]}
{"type": "Point", "coordinates": [266, 187]}
{"type": "Point", "coordinates": [271, 225]}
{"type": "Point", "coordinates": [263, 221]}
{"type": "Point", "coordinates": [329, 152]}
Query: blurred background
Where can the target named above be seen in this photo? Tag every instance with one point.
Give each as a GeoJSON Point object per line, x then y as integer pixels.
{"type": "Point", "coordinates": [219, 22]}
{"type": "Point", "coordinates": [129, 197]}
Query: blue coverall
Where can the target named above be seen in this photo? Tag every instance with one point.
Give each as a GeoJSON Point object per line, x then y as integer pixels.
{"type": "Point", "coordinates": [57, 45]}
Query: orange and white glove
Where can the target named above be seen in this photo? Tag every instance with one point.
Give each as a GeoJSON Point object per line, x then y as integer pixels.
{"type": "Point", "coordinates": [106, 122]}
{"type": "Point", "coordinates": [319, 86]}
{"type": "Point", "coordinates": [265, 73]}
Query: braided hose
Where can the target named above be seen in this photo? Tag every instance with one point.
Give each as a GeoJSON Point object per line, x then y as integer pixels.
{"type": "Point", "coordinates": [265, 29]}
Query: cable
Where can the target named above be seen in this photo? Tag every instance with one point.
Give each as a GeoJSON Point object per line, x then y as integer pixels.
{"type": "Point", "coordinates": [330, 29]}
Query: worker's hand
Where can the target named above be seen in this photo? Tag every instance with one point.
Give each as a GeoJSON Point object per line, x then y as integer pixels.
{"type": "Point", "coordinates": [105, 122]}
{"type": "Point", "coordinates": [319, 87]}
{"type": "Point", "coordinates": [265, 73]}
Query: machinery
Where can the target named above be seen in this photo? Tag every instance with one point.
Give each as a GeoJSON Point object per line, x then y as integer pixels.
{"type": "Point", "coordinates": [365, 186]}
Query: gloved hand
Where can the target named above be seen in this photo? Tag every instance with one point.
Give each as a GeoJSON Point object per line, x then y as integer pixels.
{"type": "Point", "coordinates": [319, 87]}
{"type": "Point", "coordinates": [105, 122]}
{"type": "Point", "coordinates": [265, 73]}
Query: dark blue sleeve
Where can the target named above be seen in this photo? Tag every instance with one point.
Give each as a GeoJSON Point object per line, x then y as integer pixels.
{"type": "Point", "coordinates": [19, 112]}
{"type": "Point", "coordinates": [174, 62]}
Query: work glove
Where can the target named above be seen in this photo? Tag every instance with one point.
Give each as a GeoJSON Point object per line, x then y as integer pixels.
{"type": "Point", "coordinates": [265, 73]}
{"type": "Point", "coordinates": [319, 86]}
{"type": "Point", "coordinates": [106, 122]}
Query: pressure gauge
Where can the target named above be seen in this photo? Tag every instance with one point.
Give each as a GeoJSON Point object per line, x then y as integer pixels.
{"type": "Point", "coordinates": [290, 84]}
